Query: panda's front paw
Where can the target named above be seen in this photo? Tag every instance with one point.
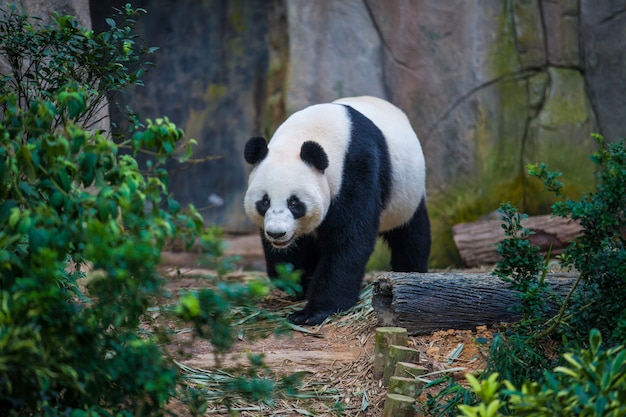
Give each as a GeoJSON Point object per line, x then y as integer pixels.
{"type": "Point", "coordinates": [308, 317]}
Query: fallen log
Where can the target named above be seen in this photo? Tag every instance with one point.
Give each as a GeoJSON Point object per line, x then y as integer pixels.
{"type": "Point", "coordinates": [477, 241]}
{"type": "Point", "coordinates": [424, 303]}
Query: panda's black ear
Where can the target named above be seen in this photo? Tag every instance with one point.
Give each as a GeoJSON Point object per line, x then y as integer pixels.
{"type": "Point", "coordinates": [312, 153]}
{"type": "Point", "coordinates": [255, 150]}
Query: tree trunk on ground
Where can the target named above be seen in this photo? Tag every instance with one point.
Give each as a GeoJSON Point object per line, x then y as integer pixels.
{"type": "Point", "coordinates": [476, 242]}
{"type": "Point", "coordinates": [424, 303]}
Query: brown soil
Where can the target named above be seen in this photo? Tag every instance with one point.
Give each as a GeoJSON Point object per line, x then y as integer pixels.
{"type": "Point", "coordinates": [337, 356]}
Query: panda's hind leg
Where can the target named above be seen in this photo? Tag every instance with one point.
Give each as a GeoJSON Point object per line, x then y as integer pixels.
{"type": "Point", "coordinates": [410, 243]}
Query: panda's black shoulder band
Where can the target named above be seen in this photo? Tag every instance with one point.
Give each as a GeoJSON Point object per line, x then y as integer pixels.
{"type": "Point", "coordinates": [312, 153]}
{"type": "Point", "coordinates": [255, 150]}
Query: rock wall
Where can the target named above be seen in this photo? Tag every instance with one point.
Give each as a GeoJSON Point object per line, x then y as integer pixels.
{"type": "Point", "coordinates": [489, 85]}
{"type": "Point", "coordinates": [43, 8]}
{"type": "Point", "coordinates": [602, 39]}
{"type": "Point", "coordinates": [212, 78]}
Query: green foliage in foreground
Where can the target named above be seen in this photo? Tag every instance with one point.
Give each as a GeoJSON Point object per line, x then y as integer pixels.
{"type": "Point", "coordinates": [591, 378]}
{"type": "Point", "coordinates": [590, 383]}
{"type": "Point", "coordinates": [70, 197]}
{"type": "Point", "coordinates": [600, 253]}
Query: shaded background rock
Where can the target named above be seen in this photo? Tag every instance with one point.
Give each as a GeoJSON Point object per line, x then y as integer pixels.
{"type": "Point", "coordinates": [489, 86]}
{"type": "Point", "coordinates": [211, 76]}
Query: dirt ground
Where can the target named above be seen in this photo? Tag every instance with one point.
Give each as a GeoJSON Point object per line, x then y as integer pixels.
{"type": "Point", "coordinates": [336, 356]}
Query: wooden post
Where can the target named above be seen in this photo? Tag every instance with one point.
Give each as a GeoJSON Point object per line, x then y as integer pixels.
{"type": "Point", "coordinates": [397, 405]}
{"type": "Point", "coordinates": [397, 354]}
{"type": "Point", "coordinates": [404, 386]}
{"type": "Point", "coordinates": [409, 370]}
{"type": "Point", "coordinates": [385, 337]}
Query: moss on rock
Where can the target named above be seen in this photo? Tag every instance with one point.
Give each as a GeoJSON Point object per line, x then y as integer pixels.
{"type": "Point", "coordinates": [560, 135]}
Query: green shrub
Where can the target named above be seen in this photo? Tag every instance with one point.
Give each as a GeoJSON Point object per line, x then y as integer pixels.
{"type": "Point", "coordinates": [599, 254]}
{"type": "Point", "coordinates": [517, 353]}
{"type": "Point", "coordinates": [521, 265]}
{"type": "Point", "coordinates": [69, 197]}
{"type": "Point", "coordinates": [592, 382]}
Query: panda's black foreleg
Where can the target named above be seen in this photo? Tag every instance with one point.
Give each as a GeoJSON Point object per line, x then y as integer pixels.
{"type": "Point", "coordinates": [410, 243]}
{"type": "Point", "coordinates": [301, 255]}
{"type": "Point", "coordinates": [336, 282]}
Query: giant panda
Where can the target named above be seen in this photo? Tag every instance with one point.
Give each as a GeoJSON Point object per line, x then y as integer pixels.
{"type": "Point", "coordinates": [333, 177]}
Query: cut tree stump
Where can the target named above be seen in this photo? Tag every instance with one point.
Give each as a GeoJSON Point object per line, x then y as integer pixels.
{"type": "Point", "coordinates": [476, 242]}
{"type": "Point", "coordinates": [397, 405]}
{"type": "Point", "coordinates": [424, 303]}
{"type": "Point", "coordinates": [385, 337]}
{"type": "Point", "coordinates": [404, 386]}
{"type": "Point", "coordinates": [409, 370]}
{"type": "Point", "coordinates": [397, 354]}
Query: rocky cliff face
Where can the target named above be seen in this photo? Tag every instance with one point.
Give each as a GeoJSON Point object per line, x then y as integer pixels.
{"type": "Point", "coordinates": [43, 9]}
{"type": "Point", "coordinates": [211, 79]}
{"type": "Point", "coordinates": [488, 85]}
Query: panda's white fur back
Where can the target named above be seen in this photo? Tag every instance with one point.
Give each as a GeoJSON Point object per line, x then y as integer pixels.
{"type": "Point", "coordinates": [406, 156]}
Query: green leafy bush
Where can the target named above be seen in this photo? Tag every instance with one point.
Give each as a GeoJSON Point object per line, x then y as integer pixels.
{"type": "Point", "coordinates": [518, 353]}
{"type": "Point", "coordinates": [67, 197]}
{"type": "Point", "coordinates": [70, 197]}
{"type": "Point", "coordinates": [589, 381]}
{"type": "Point", "coordinates": [599, 254]}
{"type": "Point", "coordinates": [521, 265]}
{"type": "Point", "coordinates": [42, 60]}
{"type": "Point", "coordinates": [592, 382]}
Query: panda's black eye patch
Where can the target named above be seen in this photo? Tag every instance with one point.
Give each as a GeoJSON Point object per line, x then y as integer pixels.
{"type": "Point", "coordinates": [263, 205]}
{"type": "Point", "coordinates": [296, 207]}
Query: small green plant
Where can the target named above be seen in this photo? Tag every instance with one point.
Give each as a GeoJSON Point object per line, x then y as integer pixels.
{"type": "Point", "coordinates": [518, 355]}
{"type": "Point", "coordinates": [522, 265]}
{"type": "Point", "coordinates": [488, 390]}
{"type": "Point", "coordinates": [288, 280]}
{"type": "Point", "coordinates": [591, 382]}
{"type": "Point", "coordinates": [450, 394]}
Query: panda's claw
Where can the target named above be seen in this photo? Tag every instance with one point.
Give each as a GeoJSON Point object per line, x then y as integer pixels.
{"type": "Point", "coordinates": [308, 318]}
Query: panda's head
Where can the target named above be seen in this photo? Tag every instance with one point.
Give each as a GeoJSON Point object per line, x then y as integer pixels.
{"type": "Point", "coordinates": [288, 195]}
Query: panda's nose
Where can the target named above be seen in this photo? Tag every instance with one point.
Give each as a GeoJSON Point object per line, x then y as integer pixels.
{"type": "Point", "coordinates": [275, 235]}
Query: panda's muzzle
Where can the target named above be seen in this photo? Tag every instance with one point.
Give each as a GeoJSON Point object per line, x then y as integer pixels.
{"type": "Point", "coordinates": [275, 235]}
{"type": "Point", "coordinates": [277, 239]}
